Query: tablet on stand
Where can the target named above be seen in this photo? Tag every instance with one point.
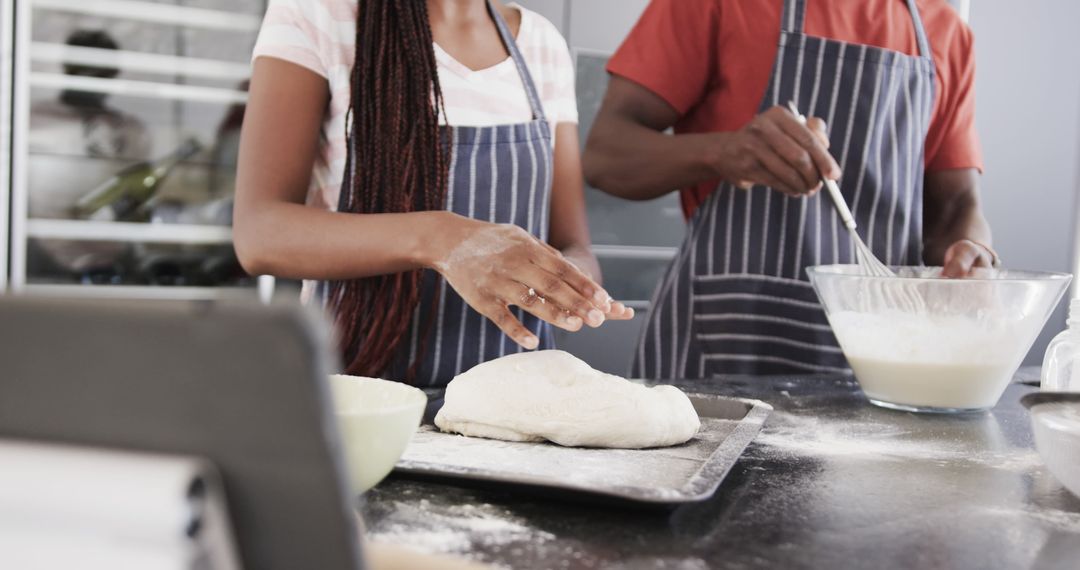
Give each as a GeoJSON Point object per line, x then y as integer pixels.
{"type": "Point", "coordinates": [242, 385]}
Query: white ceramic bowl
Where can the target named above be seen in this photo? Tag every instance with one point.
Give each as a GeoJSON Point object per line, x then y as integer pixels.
{"type": "Point", "coordinates": [1057, 437]}
{"type": "Point", "coordinates": [955, 349]}
{"type": "Point", "coordinates": [377, 419]}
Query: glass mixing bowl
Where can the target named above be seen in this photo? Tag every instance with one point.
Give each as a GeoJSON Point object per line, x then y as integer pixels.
{"type": "Point", "coordinates": [919, 342]}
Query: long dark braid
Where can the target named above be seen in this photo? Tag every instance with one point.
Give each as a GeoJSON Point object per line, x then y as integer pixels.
{"type": "Point", "coordinates": [400, 164]}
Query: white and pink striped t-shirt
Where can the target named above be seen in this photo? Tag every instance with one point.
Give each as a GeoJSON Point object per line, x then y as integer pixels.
{"type": "Point", "coordinates": [321, 36]}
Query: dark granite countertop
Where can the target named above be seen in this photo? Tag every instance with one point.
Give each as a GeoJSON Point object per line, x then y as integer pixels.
{"type": "Point", "coordinates": [831, 482]}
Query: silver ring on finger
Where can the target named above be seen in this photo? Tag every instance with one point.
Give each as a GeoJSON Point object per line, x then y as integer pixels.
{"type": "Point", "coordinates": [530, 297]}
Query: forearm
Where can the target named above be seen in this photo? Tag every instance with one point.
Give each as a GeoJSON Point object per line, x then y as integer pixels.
{"type": "Point", "coordinates": [635, 162]}
{"type": "Point", "coordinates": [966, 224]}
{"type": "Point", "coordinates": [299, 242]}
{"type": "Point", "coordinates": [582, 256]}
{"type": "Point", "coordinates": [952, 213]}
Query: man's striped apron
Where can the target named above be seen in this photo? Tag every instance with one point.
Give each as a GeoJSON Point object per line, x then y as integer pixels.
{"type": "Point", "coordinates": [736, 300]}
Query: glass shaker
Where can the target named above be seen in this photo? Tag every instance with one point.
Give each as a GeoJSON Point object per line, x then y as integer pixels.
{"type": "Point", "coordinates": [1061, 367]}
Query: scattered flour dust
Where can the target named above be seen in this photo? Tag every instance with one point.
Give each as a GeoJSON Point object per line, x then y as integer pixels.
{"type": "Point", "coordinates": [1058, 520]}
{"type": "Point", "coordinates": [983, 446]}
{"type": "Point", "coordinates": [458, 529]}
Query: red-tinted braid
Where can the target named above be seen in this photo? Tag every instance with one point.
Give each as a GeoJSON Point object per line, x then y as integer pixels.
{"type": "Point", "coordinates": [401, 165]}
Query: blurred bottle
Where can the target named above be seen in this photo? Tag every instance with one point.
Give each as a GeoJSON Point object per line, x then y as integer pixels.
{"type": "Point", "coordinates": [172, 211]}
{"type": "Point", "coordinates": [120, 197]}
{"type": "Point", "coordinates": [168, 269]}
{"type": "Point", "coordinates": [1061, 367]}
{"type": "Point", "coordinates": [221, 268]}
{"type": "Point", "coordinates": [190, 268]}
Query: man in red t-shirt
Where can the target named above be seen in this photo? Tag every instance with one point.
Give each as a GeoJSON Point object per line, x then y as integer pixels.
{"type": "Point", "coordinates": [889, 89]}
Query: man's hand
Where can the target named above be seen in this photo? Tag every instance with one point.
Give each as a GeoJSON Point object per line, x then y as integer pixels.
{"type": "Point", "coordinates": [965, 257]}
{"type": "Point", "coordinates": [776, 149]}
{"type": "Point", "coordinates": [956, 236]}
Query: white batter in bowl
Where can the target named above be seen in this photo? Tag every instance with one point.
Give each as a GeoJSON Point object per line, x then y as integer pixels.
{"type": "Point", "coordinates": [955, 350]}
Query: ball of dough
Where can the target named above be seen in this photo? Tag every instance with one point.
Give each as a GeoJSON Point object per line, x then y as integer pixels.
{"type": "Point", "coordinates": [551, 395]}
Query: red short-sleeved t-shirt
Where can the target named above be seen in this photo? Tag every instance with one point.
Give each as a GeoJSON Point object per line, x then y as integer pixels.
{"type": "Point", "coordinates": [711, 60]}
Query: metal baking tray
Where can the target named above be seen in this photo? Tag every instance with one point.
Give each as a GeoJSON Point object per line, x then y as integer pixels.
{"type": "Point", "coordinates": [664, 476]}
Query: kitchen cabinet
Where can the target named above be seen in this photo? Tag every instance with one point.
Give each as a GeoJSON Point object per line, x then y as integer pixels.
{"type": "Point", "coordinates": [99, 86]}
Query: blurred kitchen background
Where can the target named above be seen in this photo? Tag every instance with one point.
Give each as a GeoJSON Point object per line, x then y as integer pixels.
{"type": "Point", "coordinates": [97, 94]}
{"type": "Point", "coordinates": [102, 90]}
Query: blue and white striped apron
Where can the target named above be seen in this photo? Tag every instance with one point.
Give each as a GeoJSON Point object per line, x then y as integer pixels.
{"type": "Point", "coordinates": [736, 300]}
{"type": "Point", "coordinates": [499, 174]}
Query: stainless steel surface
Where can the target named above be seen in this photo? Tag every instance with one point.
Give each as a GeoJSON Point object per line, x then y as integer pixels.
{"type": "Point", "coordinates": [607, 347]}
{"type": "Point", "coordinates": [652, 253]}
{"type": "Point", "coordinates": [7, 54]}
{"type": "Point", "coordinates": [667, 476]}
{"type": "Point", "coordinates": [20, 134]}
{"type": "Point", "coordinates": [157, 13]}
{"type": "Point", "coordinates": [1056, 425]}
{"type": "Point", "coordinates": [1037, 398]}
{"type": "Point", "coordinates": [831, 482]}
{"type": "Point", "coordinates": [1075, 291]}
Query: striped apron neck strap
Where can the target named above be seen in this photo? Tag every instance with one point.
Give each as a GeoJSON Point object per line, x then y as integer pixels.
{"type": "Point", "coordinates": [519, 62]}
{"type": "Point", "coordinates": [920, 31]}
{"type": "Point", "coordinates": [794, 16]}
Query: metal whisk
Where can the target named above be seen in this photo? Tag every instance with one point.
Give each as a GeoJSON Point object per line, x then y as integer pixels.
{"type": "Point", "coordinates": [868, 262]}
{"type": "Point", "coordinates": [905, 298]}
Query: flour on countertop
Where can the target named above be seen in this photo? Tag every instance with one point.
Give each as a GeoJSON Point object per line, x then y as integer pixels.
{"type": "Point", "coordinates": [1058, 520]}
{"type": "Point", "coordinates": [861, 440]}
{"type": "Point", "coordinates": [457, 529]}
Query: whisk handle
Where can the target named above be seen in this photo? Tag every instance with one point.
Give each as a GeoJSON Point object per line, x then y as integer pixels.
{"type": "Point", "coordinates": [830, 185]}
{"type": "Point", "coordinates": [841, 204]}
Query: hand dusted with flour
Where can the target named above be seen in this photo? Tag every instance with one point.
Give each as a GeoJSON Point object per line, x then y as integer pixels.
{"type": "Point", "coordinates": [551, 395]}
{"type": "Point", "coordinates": [493, 266]}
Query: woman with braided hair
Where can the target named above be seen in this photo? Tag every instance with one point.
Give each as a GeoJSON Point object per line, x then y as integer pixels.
{"type": "Point", "coordinates": [416, 163]}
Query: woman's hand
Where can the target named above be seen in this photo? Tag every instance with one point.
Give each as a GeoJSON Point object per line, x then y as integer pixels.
{"type": "Point", "coordinates": [493, 266]}
{"type": "Point", "coordinates": [775, 149]}
{"type": "Point", "coordinates": [584, 259]}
